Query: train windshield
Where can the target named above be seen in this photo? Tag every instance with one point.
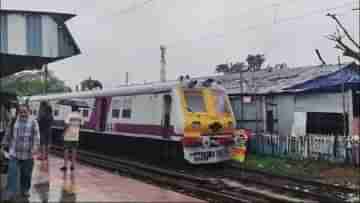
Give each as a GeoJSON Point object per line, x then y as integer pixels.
{"type": "Point", "coordinates": [222, 105]}
{"type": "Point", "coordinates": [194, 101]}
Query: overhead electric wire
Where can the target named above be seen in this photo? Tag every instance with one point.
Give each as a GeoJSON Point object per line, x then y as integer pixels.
{"type": "Point", "coordinates": [134, 7]}
{"type": "Point", "coordinates": [261, 26]}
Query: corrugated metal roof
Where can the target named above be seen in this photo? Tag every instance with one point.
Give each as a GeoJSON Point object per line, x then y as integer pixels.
{"type": "Point", "coordinates": [268, 81]}
{"type": "Point", "coordinates": [274, 81]}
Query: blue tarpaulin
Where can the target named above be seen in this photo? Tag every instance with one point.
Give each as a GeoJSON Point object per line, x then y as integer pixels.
{"type": "Point", "coordinates": [348, 76]}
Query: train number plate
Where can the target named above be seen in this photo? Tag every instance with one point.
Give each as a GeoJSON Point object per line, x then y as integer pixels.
{"type": "Point", "coordinates": [207, 155]}
{"type": "Point", "coordinates": [203, 156]}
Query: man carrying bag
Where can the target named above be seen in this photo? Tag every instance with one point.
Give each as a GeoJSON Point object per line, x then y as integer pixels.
{"type": "Point", "coordinates": [22, 138]}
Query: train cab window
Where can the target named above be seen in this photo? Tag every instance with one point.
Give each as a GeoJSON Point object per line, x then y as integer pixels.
{"type": "Point", "coordinates": [116, 113]}
{"type": "Point", "coordinates": [194, 101]}
{"type": "Point", "coordinates": [126, 113]}
{"type": "Point", "coordinates": [222, 105]}
{"type": "Point", "coordinates": [85, 113]}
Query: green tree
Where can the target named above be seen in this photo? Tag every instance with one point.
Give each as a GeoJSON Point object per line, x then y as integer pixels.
{"type": "Point", "coordinates": [31, 83]}
{"type": "Point", "coordinates": [255, 61]}
{"type": "Point", "coordinates": [347, 43]}
{"type": "Point", "coordinates": [222, 68]}
{"type": "Point", "coordinates": [90, 84]}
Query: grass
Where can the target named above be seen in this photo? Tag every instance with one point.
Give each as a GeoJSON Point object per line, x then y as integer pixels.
{"type": "Point", "coordinates": [301, 168]}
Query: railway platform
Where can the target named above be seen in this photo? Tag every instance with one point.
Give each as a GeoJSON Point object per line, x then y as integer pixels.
{"type": "Point", "coordinates": [89, 184]}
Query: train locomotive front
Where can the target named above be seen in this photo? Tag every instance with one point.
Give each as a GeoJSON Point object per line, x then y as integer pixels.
{"type": "Point", "coordinates": [209, 124]}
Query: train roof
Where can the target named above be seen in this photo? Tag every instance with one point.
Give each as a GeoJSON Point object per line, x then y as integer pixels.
{"type": "Point", "coordinates": [120, 91]}
{"type": "Point", "coordinates": [152, 88]}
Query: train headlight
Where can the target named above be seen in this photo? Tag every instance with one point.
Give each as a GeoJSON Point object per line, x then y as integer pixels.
{"type": "Point", "coordinates": [196, 125]}
{"type": "Point", "coordinates": [238, 132]}
{"type": "Point", "coordinates": [237, 140]}
{"type": "Point", "coordinates": [206, 141]}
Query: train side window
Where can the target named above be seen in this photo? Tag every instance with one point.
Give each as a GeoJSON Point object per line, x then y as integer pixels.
{"type": "Point", "coordinates": [56, 112]}
{"type": "Point", "coordinates": [126, 113]}
{"type": "Point", "coordinates": [85, 113]}
{"type": "Point", "coordinates": [116, 113]}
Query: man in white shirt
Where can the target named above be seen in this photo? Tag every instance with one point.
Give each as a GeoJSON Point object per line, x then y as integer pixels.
{"type": "Point", "coordinates": [71, 136]}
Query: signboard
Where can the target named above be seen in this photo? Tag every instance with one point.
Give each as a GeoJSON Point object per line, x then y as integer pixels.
{"type": "Point", "coordinates": [247, 99]}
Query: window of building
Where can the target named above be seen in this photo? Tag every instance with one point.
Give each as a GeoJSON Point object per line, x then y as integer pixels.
{"type": "Point", "coordinates": [326, 123]}
{"type": "Point", "coordinates": [116, 113]}
{"type": "Point", "coordinates": [126, 113]}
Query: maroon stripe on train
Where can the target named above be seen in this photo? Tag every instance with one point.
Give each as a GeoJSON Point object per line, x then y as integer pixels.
{"type": "Point", "coordinates": [144, 129]}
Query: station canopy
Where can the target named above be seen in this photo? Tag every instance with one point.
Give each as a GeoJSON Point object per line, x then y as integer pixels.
{"type": "Point", "coordinates": [31, 39]}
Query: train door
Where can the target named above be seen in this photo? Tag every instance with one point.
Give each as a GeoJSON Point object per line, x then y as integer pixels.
{"type": "Point", "coordinates": [166, 117]}
{"type": "Point", "coordinates": [102, 111]}
{"type": "Point", "coordinates": [102, 121]}
{"type": "Point", "coordinates": [166, 128]}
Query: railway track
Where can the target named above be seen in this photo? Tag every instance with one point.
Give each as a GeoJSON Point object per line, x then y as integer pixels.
{"type": "Point", "coordinates": [229, 186]}
{"type": "Point", "coordinates": [302, 185]}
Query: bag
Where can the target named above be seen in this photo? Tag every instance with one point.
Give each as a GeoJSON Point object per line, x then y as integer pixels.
{"type": "Point", "coordinates": [3, 169]}
{"type": "Point", "coordinates": [41, 173]}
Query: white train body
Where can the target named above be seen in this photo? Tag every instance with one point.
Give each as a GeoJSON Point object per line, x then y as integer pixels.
{"type": "Point", "coordinates": [197, 117]}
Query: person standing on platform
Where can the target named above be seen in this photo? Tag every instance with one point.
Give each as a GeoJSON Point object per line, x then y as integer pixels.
{"type": "Point", "coordinates": [22, 139]}
{"type": "Point", "coordinates": [71, 136]}
{"type": "Point", "coordinates": [45, 120]}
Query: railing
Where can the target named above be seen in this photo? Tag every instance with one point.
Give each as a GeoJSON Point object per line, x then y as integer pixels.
{"type": "Point", "coordinates": [332, 148]}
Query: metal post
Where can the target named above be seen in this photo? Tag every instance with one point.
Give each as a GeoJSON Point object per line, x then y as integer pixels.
{"type": "Point", "coordinates": [241, 98]}
{"type": "Point", "coordinates": [45, 78]}
{"type": "Point", "coordinates": [1, 161]}
{"type": "Point", "coordinates": [127, 78]}
{"type": "Point", "coordinates": [345, 133]}
{"type": "Point", "coordinates": [163, 64]}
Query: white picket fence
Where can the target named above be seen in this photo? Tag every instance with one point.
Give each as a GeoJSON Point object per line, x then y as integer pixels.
{"type": "Point", "coordinates": [311, 146]}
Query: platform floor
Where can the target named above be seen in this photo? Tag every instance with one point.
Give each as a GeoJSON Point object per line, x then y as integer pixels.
{"type": "Point", "coordinates": [90, 184]}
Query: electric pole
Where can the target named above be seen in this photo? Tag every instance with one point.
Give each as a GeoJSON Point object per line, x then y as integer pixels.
{"type": "Point", "coordinates": [276, 9]}
{"type": "Point", "coordinates": [163, 64]}
{"type": "Point", "coordinates": [127, 78]}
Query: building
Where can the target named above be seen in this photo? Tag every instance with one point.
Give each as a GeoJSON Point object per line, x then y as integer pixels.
{"type": "Point", "coordinates": [298, 109]}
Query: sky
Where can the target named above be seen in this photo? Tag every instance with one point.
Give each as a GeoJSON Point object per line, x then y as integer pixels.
{"type": "Point", "coordinates": [119, 36]}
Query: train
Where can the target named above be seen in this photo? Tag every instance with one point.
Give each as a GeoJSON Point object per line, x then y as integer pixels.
{"type": "Point", "coordinates": [187, 118]}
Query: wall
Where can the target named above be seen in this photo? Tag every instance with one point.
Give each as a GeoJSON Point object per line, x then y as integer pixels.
{"type": "Point", "coordinates": [321, 102]}
{"type": "Point", "coordinates": [285, 108]}
{"type": "Point", "coordinates": [286, 105]}
{"type": "Point", "coordinates": [252, 113]}
{"type": "Point", "coordinates": [3, 33]}
{"type": "Point", "coordinates": [16, 34]}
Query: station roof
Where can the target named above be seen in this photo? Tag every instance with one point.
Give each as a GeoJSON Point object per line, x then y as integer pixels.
{"type": "Point", "coordinates": [31, 39]}
{"type": "Point", "coordinates": [61, 16]}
